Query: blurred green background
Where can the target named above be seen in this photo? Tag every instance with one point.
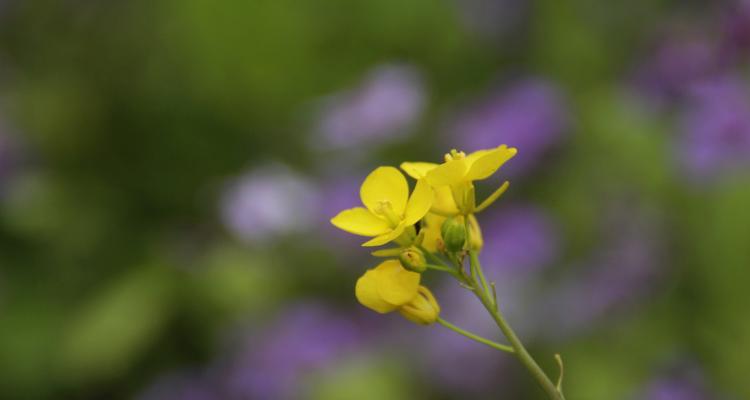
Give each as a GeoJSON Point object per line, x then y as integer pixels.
{"type": "Point", "coordinates": [167, 170]}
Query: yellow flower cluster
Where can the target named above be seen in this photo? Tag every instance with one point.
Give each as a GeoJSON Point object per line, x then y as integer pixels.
{"type": "Point", "coordinates": [390, 214]}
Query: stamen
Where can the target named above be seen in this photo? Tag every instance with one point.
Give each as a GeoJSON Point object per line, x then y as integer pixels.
{"type": "Point", "coordinates": [386, 209]}
{"type": "Point", "coordinates": [455, 155]}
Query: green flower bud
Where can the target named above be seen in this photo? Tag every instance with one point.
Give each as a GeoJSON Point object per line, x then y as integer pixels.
{"type": "Point", "coordinates": [413, 259]}
{"type": "Point", "coordinates": [454, 234]}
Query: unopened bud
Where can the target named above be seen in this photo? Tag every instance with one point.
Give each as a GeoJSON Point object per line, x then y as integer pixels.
{"type": "Point", "coordinates": [454, 234]}
{"type": "Point", "coordinates": [413, 259]}
{"type": "Point", "coordinates": [423, 310]}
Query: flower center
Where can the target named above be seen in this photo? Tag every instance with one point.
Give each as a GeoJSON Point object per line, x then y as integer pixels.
{"type": "Point", "coordinates": [455, 155]}
{"type": "Point", "coordinates": [386, 209]}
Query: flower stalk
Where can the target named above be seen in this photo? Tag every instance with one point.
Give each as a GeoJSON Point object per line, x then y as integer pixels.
{"type": "Point", "coordinates": [433, 223]}
{"type": "Point", "coordinates": [518, 348]}
{"type": "Point", "coordinates": [494, 345]}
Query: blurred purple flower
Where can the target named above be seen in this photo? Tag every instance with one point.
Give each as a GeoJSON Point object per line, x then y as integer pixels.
{"type": "Point", "coordinates": [304, 339]}
{"type": "Point", "coordinates": [736, 27]}
{"type": "Point", "coordinates": [267, 202]}
{"type": "Point", "coordinates": [625, 268]}
{"type": "Point", "coordinates": [341, 192]}
{"type": "Point", "coordinates": [716, 129]}
{"type": "Point", "coordinates": [676, 64]}
{"type": "Point", "coordinates": [531, 115]}
{"type": "Point", "coordinates": [518, 239]}
{"type": "Point", "coordinates": [683, 383]}
{"type": "Point", "coordinates": [274, 361]}
{"type": "Point", "coordinates": [383, 107]}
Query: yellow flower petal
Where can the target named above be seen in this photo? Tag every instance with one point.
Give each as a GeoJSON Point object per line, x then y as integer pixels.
{"type": "Point", "coordinates": [431, 225]}
{"type": "Point", "coordinates": [417, 170]}
{"type": "Point", "coordinates": [433, 220]}
{"type": "Point", "coordinates": [386, 237]}
{"type": "Point", "coordinates": [395, 284]}
{"type": "Point", "coordinates": [360, 221]}
{"type": "Point", "coordinates": [484, 163]}
{"type": "Point", "coordinates": [447, 173]}
{"type": "Point", "coordinates": [385, 184]}
{"type": "Point", "coordinates": [367, 293]}
{"type": "Point", "coordinates": [419, 203]}
{"type": "Point", "coordinates": [443, 203]}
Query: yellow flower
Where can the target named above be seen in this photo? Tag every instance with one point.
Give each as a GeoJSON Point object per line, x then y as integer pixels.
{"type": "Point", "coordinates": [457, 174]}
{"type": "Point", "coordinates": [390, 287]}
{"type": "Point", "coordinates": [389, 209]}
{"type": "Point", "coordinates": [443, 202]}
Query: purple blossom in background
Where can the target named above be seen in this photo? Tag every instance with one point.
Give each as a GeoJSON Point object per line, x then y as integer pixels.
{"type": "Point", "coordinates": [685, 382]}
{"type": "Point", "coordinates": [304, 339]}
{"type": "Point", "coordinates": [267, 202]}
{"type": "Point", "coordinates": [531, 115]}
{"type": "Point", "coordinates": [676, 64]}
{"type": "Point", "coordinates": [716, 129]}
{"type": "Point", "coordinates": [275, 360]}
{"type": "Point", "coordinates": [382, 108]}
{"type": "Point", "coordinates": [340, 192]}
{"type": "Point", "coordinates": [736, 29]}
{"type": "Point", "coordinates": [519, 239]}
{"type": "Point", "coordinates": [625, 268]}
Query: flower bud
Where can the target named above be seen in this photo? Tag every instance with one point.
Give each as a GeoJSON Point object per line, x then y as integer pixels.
{"type": "Point", "coordinates": [454, 234]}
{"type": "Point", "coordinates": [423, 309]}
{"type": "Point", "coordinates": [413, 259]}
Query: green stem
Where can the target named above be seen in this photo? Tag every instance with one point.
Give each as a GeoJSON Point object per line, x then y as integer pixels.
{"type": "Point", "coordinates": [472, 336]}
{"type": "Point", "coordinates": [519, 350]}
{"type": "Point", "coordinates": [449, 270]}
{"type": "Point", "coordinates": [476, 268]}
{"type": "Point", "coordinates": [432, 257]}
{"type": "Point", "coordinates": [474, 260]}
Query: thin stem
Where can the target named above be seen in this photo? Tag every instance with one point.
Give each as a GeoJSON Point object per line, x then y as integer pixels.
{"type": "Point", "coordinates": [476, 268]}
{"type": "Point", "coordinates": [472, 336]}
{"type": "Point", "coordinates": [449, 270]}
{"type": "Point", "coordinates": [474, 260]}
{"type": "Point", "coordinates": [440, 268]}
{"type": "Point", "coordinates": [520, 351]}
{"type": "Point", "coordinates": [432, 257]}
